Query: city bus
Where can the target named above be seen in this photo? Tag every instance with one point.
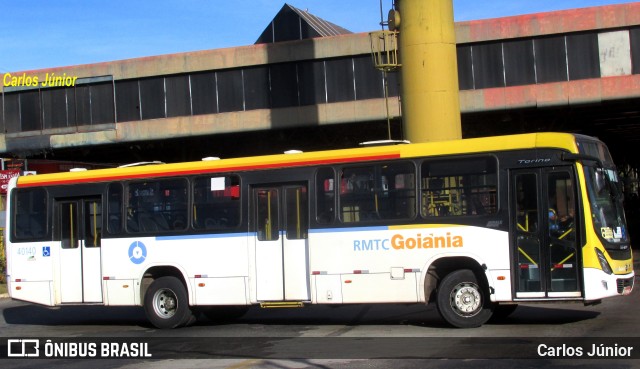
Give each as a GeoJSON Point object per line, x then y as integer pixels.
{"type": "Point", "coordinates": [475, 226]}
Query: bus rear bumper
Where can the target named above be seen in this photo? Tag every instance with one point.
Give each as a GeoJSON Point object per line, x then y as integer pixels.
{"type": "Point", "coordinates": [600, 285]}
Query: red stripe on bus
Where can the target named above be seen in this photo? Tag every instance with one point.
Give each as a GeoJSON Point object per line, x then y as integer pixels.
{"type": "Point", "coordinates": [176, 173]}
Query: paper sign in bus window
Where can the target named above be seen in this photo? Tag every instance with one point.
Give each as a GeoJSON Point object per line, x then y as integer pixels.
{"type": "Point", "coordinates": [217, 184]}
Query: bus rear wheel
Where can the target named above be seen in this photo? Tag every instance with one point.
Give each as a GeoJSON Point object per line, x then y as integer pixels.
{"type": "Point", "coordinates": [461, 301]}
{"type": "Point", "coordinates": [166, 303]}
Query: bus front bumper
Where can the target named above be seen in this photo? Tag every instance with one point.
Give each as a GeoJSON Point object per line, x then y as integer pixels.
{"type": "Point", "coordinates": [600, 285]}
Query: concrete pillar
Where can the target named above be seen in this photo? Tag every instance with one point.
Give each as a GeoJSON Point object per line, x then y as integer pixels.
{"type": "Point", "coordinates": [429, 72]}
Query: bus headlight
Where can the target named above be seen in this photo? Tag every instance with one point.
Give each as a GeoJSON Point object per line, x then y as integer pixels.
{"type": "Point", "coordinates": [603, 262]}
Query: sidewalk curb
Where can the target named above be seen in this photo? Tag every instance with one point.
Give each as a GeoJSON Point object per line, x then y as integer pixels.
{"type": "Point", "coordinates": [4, 295]}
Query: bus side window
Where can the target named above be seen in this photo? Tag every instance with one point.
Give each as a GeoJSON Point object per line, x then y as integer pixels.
{"type": "Point", "coordinates": [216, 202]}
{"type": "Point", "coordinates": [30, 209]}
{"type": "Point", "coordinates": [157, 206]}
{"type": "Point", "coordinates": [357, 201]}
{"type": "Point", "coordinates": [398, 191]}
{"type": "Point", "coordinates": [114, 196]}
{"type": "Point", "coordinates": [325, 195]}
{"type": "Point", "coordinates": [459, 187]}
{"type": "Point", "coordinates": [378, 192]}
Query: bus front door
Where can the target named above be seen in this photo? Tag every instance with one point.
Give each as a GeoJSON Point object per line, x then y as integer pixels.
{"type": "Point", "coordinates": [79, 231]}
{"type": "Point", "coordinates": [281, 247]}
{"type": "Point", "coordinates": [546, 259]}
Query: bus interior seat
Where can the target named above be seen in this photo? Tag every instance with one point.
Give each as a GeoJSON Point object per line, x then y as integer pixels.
{"type": "Point", "coordinates": [132, 225]}
{"type": "Point", "coordinates": [146, 223]}
{"type": "Point", "coordinates": [161, 222]}
{"type": "Point", "coordinates": [152, 222]}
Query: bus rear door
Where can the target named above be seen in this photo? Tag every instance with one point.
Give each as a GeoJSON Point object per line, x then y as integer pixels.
{"type": "Point", "coordinates": [281, 247]}
{"type": "Point", "coordinates": [79, 231]}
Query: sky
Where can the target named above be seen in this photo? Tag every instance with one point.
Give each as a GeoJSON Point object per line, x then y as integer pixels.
{"type": "Point", "coordinates": [36, 34]}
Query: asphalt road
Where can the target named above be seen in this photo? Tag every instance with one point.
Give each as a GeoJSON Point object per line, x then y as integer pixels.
{"type": "Point", "coordinates": [353, 336]}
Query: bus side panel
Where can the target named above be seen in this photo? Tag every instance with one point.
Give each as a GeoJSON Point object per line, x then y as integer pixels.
{"type": "Point", "coordinates": [214, 267]}
{"type": "Point", "coordinates": [379, 287]}
{"type": "Point", "coordinates": [31, 273]}
{"type": "Point", "coordinates": [220, 291]}
{"type": "Point", "coordinates": [388, 264]}
{"type": "Point", "coordinates": [500, 280]}
{"type": "Point", "coordinates": [326, 289]}
{"type": "Point", "coordinates": [122, 266]}
{"type": "Point", "coordinates": [120, 292]}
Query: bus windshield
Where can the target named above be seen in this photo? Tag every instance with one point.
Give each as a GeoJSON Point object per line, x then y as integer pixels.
{"type": "Point", "coordinates": [605, 197]}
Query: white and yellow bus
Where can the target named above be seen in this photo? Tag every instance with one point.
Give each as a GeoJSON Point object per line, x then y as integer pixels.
{"type": "Point", "coordinates": [476, 226]}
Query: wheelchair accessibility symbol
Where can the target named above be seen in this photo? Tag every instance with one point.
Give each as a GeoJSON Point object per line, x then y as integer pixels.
{"type": "Point", "coordinates": [46, 251]}
{"type": "Point", "coordinates": [137, 252]}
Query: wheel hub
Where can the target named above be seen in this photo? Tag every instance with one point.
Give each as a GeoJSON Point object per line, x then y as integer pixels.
{"type": "Point", "coordinates": [165, 303]}
{"type": "Point", "coordinates": [466, 299]}
{"type": "Point", "coordinates": [170, 303]}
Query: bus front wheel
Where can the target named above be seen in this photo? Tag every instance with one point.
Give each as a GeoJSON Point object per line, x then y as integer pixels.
{"type": "Point", "coordinates": [461, 300]}
{"type": "Point", "coordinates": [166, 303]}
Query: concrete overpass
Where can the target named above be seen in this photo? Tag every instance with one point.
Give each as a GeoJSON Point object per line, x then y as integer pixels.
{"type": "Point", "coordinates": [576, 70]}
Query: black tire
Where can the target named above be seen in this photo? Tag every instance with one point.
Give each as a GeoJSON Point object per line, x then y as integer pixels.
{"type": "Point", "coordinates": [461, 300]}
{"type": "Point", "coordinates": [224, 313]}
{"type": "Point", "coordinates": [166, 303]}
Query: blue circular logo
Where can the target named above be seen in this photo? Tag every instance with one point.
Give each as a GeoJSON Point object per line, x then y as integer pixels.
{"type": "Point", "coordinates": [137, 252]}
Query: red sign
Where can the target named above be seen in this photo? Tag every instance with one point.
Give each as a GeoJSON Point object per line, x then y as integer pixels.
{"type": "Point", "coordinates": [5, 176]}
